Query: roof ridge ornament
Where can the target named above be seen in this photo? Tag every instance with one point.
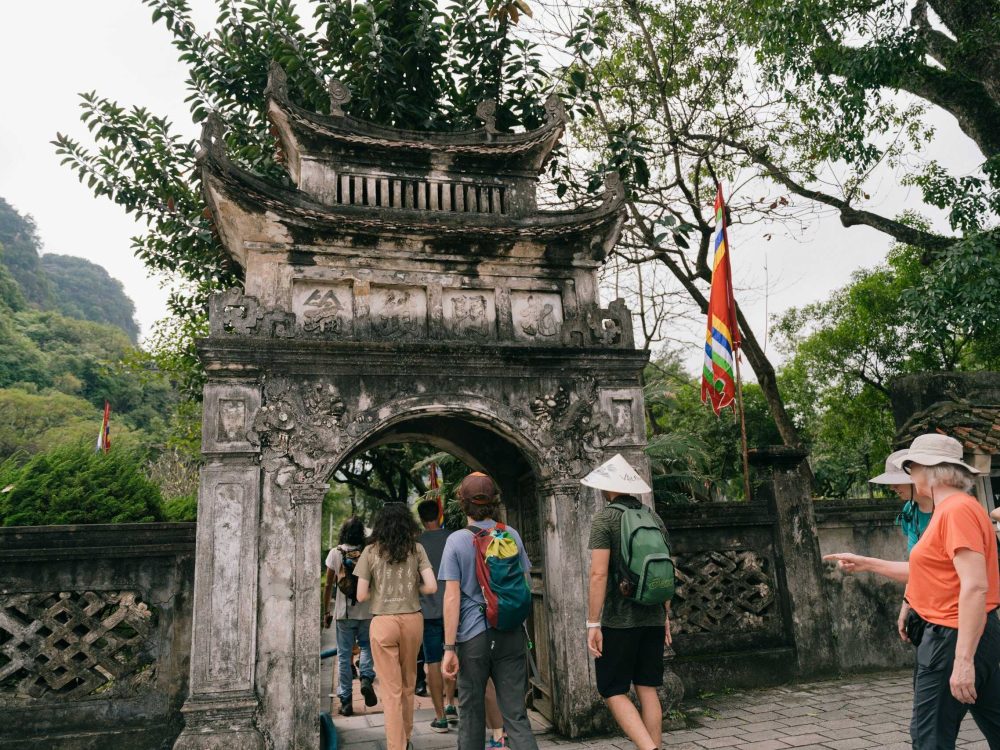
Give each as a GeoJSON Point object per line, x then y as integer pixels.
{"type": "Point", "coordinates": [212, 141]}
{"type": "Point", "coordinates": [277, 83]}
{"type": "Point", "coordinates": [555, 111]}
{"type": "Point", "coordinates": [614, 190]}
{"type": "Point", "coordinates": [339, 96]}
{"type": "Point", "coordinates": [486, 111]}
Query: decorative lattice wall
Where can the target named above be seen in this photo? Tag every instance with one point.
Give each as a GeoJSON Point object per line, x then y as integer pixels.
{"type": "Point", "coordinates": [68, 645]}
{"type": "Point", "coordinates": [724, 592]}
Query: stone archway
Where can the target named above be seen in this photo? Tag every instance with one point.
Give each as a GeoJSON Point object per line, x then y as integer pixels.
{"type": "Point", "coordinates": [428, 297]}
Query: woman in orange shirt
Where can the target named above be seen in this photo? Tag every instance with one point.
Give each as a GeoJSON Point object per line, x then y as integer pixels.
{"type": "Point", "coordinates": [953, 585]}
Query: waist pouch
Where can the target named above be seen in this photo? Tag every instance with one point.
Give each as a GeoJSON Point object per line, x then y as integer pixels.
{"type": "Point", "coordinates": [915, 625]}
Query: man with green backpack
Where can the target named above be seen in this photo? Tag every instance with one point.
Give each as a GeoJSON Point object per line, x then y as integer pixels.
{"type": "Point", "coordinates": [631, 585]}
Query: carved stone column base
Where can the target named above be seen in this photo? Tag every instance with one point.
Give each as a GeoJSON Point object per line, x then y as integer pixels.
{"type": "Point", "coordinates": [671, 693]}
{"type": "Point", "coordinates": [220, 724]}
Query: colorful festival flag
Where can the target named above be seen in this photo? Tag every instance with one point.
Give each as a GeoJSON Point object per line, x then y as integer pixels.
{"type": "Point", "coordinates": [434, 483]}
{"type": "Point", "coordinates": [722, 337]}
{"type": "Point", "coordinates": [104, 436]}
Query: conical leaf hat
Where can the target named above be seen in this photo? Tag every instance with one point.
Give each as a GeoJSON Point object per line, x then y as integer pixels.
{"type": "Point", "coordinates": [616, 475]}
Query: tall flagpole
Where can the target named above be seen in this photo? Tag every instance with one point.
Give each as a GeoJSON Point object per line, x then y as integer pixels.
{"type": "Point", "coordinates": [737, 345]}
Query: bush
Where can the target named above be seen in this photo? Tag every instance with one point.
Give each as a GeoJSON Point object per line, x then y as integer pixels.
{"type": "Point", "coordinates": [75, 485]}
{"type": "Point", "coordinates": [183, 508]}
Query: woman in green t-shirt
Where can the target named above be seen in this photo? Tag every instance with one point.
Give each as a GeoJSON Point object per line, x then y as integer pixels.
{"type": "Point", "coordinates": [393, 572]}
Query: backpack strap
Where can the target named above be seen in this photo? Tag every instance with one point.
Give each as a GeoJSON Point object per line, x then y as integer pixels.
{"type": "Point", "coordinates": [619, 506]}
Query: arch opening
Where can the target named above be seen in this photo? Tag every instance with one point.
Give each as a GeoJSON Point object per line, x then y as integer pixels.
{"type": "Point", "coordinates": [472, 444]}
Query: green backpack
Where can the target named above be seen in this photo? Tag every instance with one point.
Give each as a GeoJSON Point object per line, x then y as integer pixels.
{"type": "Point", "coordinates": [645, 569]}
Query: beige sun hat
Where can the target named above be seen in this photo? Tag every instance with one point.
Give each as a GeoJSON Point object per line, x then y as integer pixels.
{"type": "Point", "coordinates": [931, 450]}
{"type": "Point", "coordinates": [893, 475]}
{"type": "Point", "coordinates": [616, 475]}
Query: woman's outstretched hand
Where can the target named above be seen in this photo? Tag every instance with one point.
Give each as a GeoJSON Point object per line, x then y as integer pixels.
{"type": "Point", "coordinates": [847, 562]}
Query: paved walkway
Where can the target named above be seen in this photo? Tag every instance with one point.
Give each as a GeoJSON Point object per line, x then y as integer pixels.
{"type": "Point", "coordinates": [861, 713]}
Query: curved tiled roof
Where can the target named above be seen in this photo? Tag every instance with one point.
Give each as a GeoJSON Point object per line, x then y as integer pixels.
{"type": "Point", "coordinates": [529, 150]}
{"type": "Point", "coordinates": [977, 426]}
{"type": "Point", "coordinates": [601, 224]}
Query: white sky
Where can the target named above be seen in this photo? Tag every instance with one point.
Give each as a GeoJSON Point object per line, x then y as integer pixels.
{"type": "Point", "coordinates": [52, 49]}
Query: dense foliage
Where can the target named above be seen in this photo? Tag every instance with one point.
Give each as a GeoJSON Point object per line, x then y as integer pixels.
{"type": "Point", "coordinates": [799, 106]}
{"type": "Point", "coordinates": [897, 318]}
{"type": "Point", "coordinates": [73, 484]}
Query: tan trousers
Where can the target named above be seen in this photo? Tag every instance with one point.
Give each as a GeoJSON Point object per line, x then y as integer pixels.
{"type": "Point", "coordinates": [395, 643]}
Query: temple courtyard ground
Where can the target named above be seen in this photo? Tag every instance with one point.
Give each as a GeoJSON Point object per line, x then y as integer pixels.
{"type": "Point", "coordinates": [858, 713]}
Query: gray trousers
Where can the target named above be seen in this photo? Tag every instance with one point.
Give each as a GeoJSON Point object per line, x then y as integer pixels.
{"type": "Point", "coordinates": [502, 656]}
{"type": "Point", "coordinates": [937, 716]}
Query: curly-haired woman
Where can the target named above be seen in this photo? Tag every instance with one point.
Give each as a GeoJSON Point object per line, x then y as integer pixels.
{"type": "Point", "coordinates": [392, 573]}
{"type": "Point", "coordinates": [953, 588]}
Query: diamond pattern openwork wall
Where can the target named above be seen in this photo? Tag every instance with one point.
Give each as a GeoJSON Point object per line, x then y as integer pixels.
{"type": "Point", "coordinates": [68, 645]}
{"type": "Point", "coordinates": [726, 591]}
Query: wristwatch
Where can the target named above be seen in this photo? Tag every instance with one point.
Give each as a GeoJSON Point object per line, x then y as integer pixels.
{"type": "Point", "coordinates": [449, 648]}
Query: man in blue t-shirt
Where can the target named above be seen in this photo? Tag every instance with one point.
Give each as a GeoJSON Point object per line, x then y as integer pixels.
{"type": "Point", "coordinates": [472, 650]}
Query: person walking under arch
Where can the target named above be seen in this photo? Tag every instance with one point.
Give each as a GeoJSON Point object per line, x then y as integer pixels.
{"type": "Point", "coordinates": [352, 617]}
{"type": "Point", "coordinates": [475, 649]}
{"type": "Point", "coordinates": [393, 572]}
{"type": "Point", "coordinates": [625, 637]}
{"type": "Point", "coordinates": [442, 691]}
{"type": "Point", "coordinates": [953, 586]}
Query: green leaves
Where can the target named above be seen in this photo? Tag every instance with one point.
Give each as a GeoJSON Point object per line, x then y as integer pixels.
{"type": "Point", "coordinates": [73, 484]}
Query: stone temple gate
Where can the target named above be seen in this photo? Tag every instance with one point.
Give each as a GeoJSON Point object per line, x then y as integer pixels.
{"type": "Point", "coordinates": [408, 288]}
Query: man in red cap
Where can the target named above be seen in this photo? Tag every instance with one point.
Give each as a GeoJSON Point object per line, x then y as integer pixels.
{"type": "Point", "coordinates": [482, 652]}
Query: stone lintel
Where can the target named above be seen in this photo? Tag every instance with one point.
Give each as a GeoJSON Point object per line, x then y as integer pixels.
{"type": "Point", "coordinates": [233, 357]}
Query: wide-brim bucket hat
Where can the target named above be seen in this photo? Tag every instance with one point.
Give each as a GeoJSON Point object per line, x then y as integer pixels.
{"type": "Point", "coordinates": [932, 450]}
{"type": "Point", "coordinates": [893, 475]}
{"type": "Point", "coordinates": [616, 475]}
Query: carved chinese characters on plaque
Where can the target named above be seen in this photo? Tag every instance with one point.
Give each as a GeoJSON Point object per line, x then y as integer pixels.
{"type": "Point", "coordinates": [537, 315]}
{"type": "Point", "coordinates": [398, 312]}
{"type": "Point", "coordinates": [324, 308]}
{"type": "Point", "coordinates": [469, 314]}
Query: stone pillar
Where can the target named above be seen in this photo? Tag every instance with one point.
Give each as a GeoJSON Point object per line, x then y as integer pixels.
{"type": "Point", "coordinates": [786, 487]}
{"type": "Point", "coordinates": [307, 504]}
{"type": "Point", "coordinates": [565, 528]}
{"type": "Point", "coordinates": [221, 707]}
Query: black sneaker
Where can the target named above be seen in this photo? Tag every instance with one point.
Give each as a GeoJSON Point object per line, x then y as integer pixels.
{"type": "Point", "coordinates": [421, 689]}
{"type": "Point", "coordinates": [346, 708]}
{"type": "Point", "coordinates": [369, 693]}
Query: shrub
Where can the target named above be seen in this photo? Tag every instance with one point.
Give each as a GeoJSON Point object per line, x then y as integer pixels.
{"type": "Point", "coordinates": [75, 485]}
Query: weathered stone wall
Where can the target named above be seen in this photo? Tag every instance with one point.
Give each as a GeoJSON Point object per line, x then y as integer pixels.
{"type": "Point", "coordinates": [95, 634]}
{"type": "Point", "coordinates": [863, 607]}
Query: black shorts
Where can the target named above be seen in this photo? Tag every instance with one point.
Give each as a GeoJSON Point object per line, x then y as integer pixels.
{"type": "Point", "coordinates": [631, 656]}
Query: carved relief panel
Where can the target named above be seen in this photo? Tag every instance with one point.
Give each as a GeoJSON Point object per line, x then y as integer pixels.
{"type": "Point", "coordinates": [229, 411]}
{"type": "Point", "coordinates": [398, 312]}
{"type": "Point", "coordinates": [226, 578]}
{"type": "Point", "coordinates": [624, 408]}
{"type": "Point", "coordinates": [470, 314]}
{"type": "Point", "coordinates": [325, 308]}
{"type": "Point", "coordinates": [538, 316]}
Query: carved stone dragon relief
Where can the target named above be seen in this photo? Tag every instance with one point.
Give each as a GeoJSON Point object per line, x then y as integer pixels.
{"type": "Point", "coordinates": [572, 425]}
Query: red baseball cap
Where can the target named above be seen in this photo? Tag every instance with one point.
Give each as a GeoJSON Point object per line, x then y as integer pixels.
{"type": "Point", "coordinates": [477, 488]}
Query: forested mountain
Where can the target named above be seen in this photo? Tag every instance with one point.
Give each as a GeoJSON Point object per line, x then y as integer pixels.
{"type": "Point", "coordinates": [22, 255]}
{"type": "Point", "coordinates": [84, 290]}
{"type": "Point", "coordinates": [72, 286]}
